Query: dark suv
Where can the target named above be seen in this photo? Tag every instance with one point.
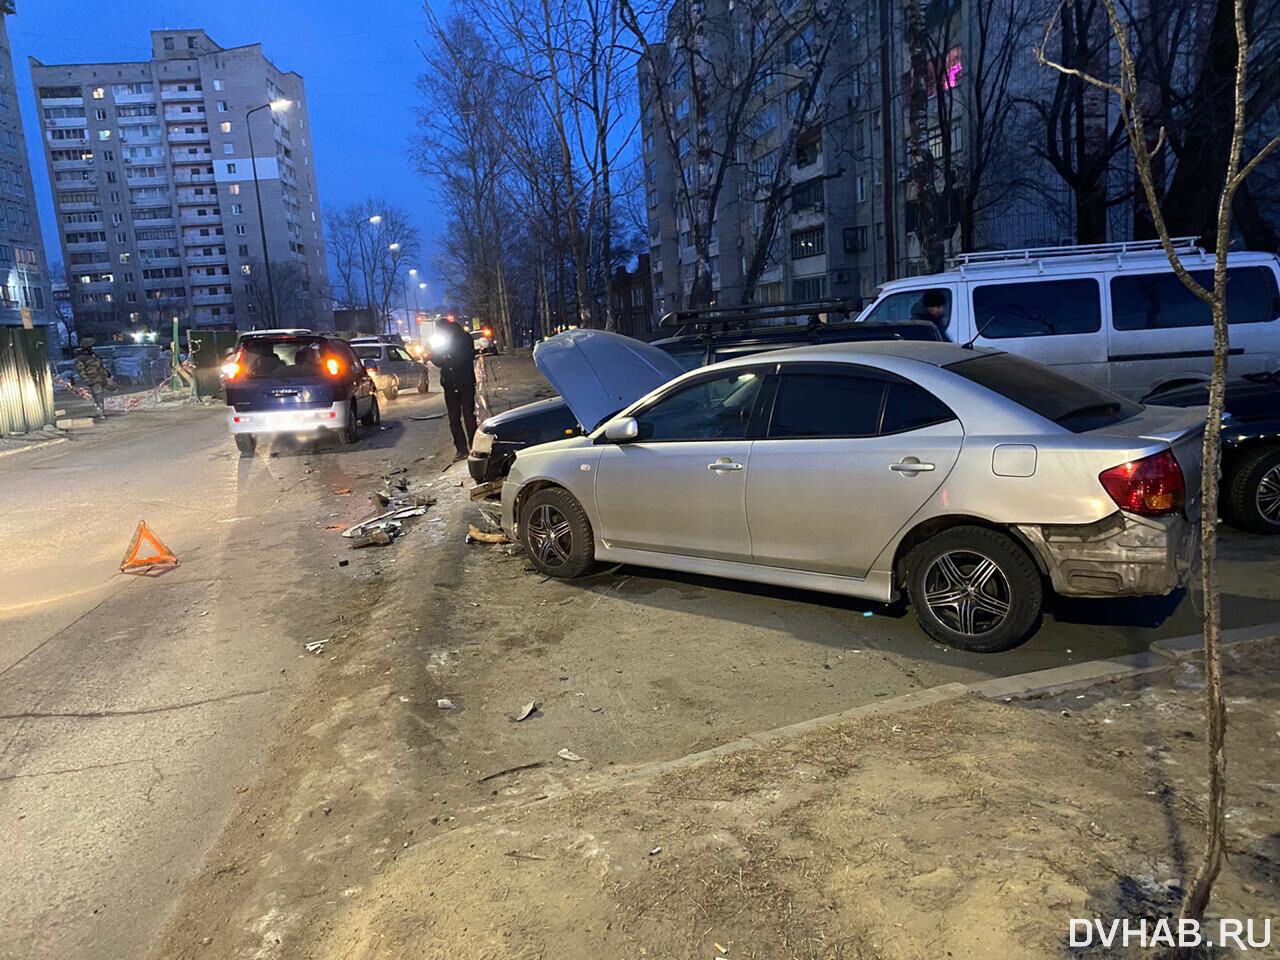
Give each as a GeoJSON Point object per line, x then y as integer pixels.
{"type": "Point", "coordinates": [705, 337]}
{"type": "Point", "coordinates": [297, 383]}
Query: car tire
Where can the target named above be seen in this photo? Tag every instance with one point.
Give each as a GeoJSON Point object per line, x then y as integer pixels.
{"type": "Point", "coordinates": [424, 385]}
{"type": "Point", "coordinates": [350, 431]}
{"type": "Point", "coordinates": [246, 443]}
{"type": "Point", "coordinates": [374, 417]}
{"type": "Point", "coordinates": [975, 589]}
{"type": "Point", "coordinates": [1251, 493]}
{"type": "Point", "coordinates": [556, 534]}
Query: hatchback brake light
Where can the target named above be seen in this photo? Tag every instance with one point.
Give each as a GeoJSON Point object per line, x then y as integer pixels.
{"type": "Point", "coordinates": [1150, 487]}
{"type": "Point", "coordinates": [332, 366]}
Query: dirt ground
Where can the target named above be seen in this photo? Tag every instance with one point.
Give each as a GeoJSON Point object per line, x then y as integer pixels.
{"type": "Point", "coordinates": [387, 826]}
{"type": "Point", "coordinates": [967, 829]}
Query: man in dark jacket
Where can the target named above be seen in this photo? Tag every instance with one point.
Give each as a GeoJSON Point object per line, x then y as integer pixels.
{"type": "Point", "coordinates": [93, 376]}
{"type": "Point", "coordinates": [453, 351]}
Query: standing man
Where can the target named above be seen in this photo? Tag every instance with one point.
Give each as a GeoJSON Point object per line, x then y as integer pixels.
{"type": "Point", "coordinates": [932, 307]}
{"type": "Point", "coordinates": [453, 351]}
{"type": "Point", "coordinates": [94, 376]}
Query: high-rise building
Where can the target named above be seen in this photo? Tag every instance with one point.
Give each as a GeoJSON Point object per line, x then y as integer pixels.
{"type": "Point", "coordinates": [24, 276]}
{"type": "Point", "coordinates": [155, 193]}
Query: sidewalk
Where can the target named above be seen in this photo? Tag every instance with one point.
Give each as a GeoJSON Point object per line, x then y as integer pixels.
{"type": "Point", "coordinates": [966, 829]}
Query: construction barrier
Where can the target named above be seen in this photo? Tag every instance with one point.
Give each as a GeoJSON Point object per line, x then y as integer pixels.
{"type": "Point", "coordinates": [26, 382]}
{"type": "Point", "coordinates": [135, 401]}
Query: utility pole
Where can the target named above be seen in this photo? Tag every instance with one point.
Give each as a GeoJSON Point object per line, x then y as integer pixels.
{"type": "Point", "coordinates": [886, 140]}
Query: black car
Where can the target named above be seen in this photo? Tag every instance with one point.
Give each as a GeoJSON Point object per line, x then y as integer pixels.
{"type": "Point", "coordinates": [501, 436]}
{"type": "Point", "coordinates": [297, 384]}
{"type": "Point", "coordinates": [1249, 497]}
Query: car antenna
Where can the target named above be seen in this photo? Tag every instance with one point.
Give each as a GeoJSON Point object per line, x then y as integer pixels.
{"type": "Point", "coordinates": [981, 330]}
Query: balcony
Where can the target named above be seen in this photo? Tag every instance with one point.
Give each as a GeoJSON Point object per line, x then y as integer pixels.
{"type": "Point", "coordinates": [99, 262]}
{"type": "Point", "coordinates": [148, 97]}
{"type": "Point", "coordinates": [73, 164]}
{"type": "Point", "coordinates": [201, 157]}
{"type": "Point", "coordinates": [195, 220]}
{"type": "Point", "coordinates": [173, 94]}
{"type": "Point", "coordinates": [215, 299]}
{"type": "Point", "coordinates": [160, 261]}
{"type": "Point", "coordinates": [92, 245]}
{"type": "Point", "coordinates": [158, 181]}
{"type": "Point", "coordinates": [813, 216]}
{"type": "Point", "coordinates": [189, 199]}
{"type": "Point", "coordinates": [175, 115]}
{"type": "Point", "coordinates": [98, 286]}
{"type": "Point", "coordinates": [134, 121]}
{"type": "Point", "coordinates": [84, 206]}
{"type": "Point", "coordinates": [197, 260]}
{"type": "Point", "coordinates": [148, 202]}
{"type": "Point", "coordinates": [64, 122]}
{"type": "Point", "coordinates": [62, 101]}
{"type": "Point", "coordinates": [193, 177]}
{"type": "Point", "coordinates": [181, 136]}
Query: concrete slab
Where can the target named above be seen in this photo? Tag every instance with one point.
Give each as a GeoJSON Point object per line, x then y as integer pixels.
{"type": "Point", "coordinates": [1070, 676]}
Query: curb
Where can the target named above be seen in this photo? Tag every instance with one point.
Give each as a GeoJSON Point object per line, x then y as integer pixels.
{"type": "Point", "coordinates": [34, 446]}
{"type": "Point", "coordinates": [1070, 677]}
{"type": "Point", "coordinates": [1192, 644]}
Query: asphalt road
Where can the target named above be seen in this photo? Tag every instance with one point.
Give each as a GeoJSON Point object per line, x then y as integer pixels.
{"type": "Point", "coordinates": [128, 704]}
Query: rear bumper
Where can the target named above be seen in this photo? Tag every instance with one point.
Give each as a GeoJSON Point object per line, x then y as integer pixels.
{"type": "Point", "coordinates": [1119, 556]}
{"type": "Point", "coordinates": [333, 417]}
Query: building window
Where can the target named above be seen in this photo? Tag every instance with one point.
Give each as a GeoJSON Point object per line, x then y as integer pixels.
{"type": "Point", "coordinates": [860, 188]}
{"type": "Point", "coordinates": [240, 230]}
{"type": "Point", "coordinates": [104, 134]}
{"type": "Point", "coordinates": [222, 106]}
{"type": "Point", "coordinates": [236, 210]}
{"type": "Point", "coordinates": [808, 289]}
{"type": "Point", "coordinates": [228, 148]}
{"type": "Point", "coordinates": [807, 195]}
{"type": "Point", "coordinates": [653, 198]}
{"type": "Point", "coordinates": [246, 269]}
{"type": "Point", "coordinates": [244, 249]}
{"type": "Point", "coordinates": [234, 189]}
{"type": "Point", "coordinates": [808, 243]}
{"type": "Point", "coordinates": [217, 84]}
{"type": "Point", "coordinates": [100, 114]}
{"type": "Point", "coordinates": [855, 239]}
{"type": "Point", "coordinates": [225, 126]}
{"type": "Point", "coordinates": [231, 168]}
{"type": "Point", "coordinates": [99, 93]}
{"type": "Point", "coordinates": [168, 43]}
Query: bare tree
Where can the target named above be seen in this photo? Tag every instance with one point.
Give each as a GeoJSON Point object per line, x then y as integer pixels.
{"type": "Point", "coordinates": [373, 244]}
{"type": "Point", "coordinates": [1132, 97]}
{"type": "Point", "coordinates": [292, 286]}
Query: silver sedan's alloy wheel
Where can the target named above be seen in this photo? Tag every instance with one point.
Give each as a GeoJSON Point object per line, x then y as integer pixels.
{"type": "Point", "coordinates": [1268, 495]}
{"type": "Point", "coordinates": [550, 536]}
{"type": "Point", "coordinates": [967, 592]}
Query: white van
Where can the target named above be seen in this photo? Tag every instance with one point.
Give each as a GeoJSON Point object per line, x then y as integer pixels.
{"type": "Point", "coordinates": [1113, 314]}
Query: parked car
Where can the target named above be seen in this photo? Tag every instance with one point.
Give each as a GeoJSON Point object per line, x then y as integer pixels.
{"type": "Point", "coordinates": [391, 367]}
{"type": "Point", "coordinates": [1112, 314]}
{"type": "Point", "coordinates": [297, 384]}
{"type": "Point", "coordinates": [970, 481]}
{"type": "Point", "coordinates": [499, 438]}
{"type": "Point", "coordinates": [1250, 488]}
{"type": "Point", "coordinates": [484, 342]}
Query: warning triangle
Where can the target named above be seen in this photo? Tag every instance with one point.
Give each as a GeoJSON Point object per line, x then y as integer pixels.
{"type": "Point", "coordinates": [146, 550]}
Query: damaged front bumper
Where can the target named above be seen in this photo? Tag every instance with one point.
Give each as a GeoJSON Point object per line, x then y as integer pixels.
{"type": "Point", "coordinates": [1122, 555]}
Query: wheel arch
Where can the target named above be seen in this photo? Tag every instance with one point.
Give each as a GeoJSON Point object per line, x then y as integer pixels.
{"type": "Point", "coordinates": [933, 526]}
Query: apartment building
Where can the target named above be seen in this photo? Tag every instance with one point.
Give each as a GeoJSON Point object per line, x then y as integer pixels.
{"type": "Point", "coordinates": [805, 108]}
{"type": "Point", "coordinates": [154, 188]}
{"type": "Point", "coordinates": [25, 295]}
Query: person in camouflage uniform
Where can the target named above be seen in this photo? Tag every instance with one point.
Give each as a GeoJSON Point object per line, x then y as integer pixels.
{"type": "Point", "coordinates": [93, 375]}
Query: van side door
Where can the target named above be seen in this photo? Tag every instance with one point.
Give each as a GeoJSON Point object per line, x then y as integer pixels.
{"type": "Point", "coordinates": [1055, 321]}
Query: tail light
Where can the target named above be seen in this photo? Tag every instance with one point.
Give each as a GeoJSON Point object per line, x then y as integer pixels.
{"type": "Point", "coordinates": [1150, 487]}
{"type": "Point", "coordinates": [234, 367]}
{"type": "Point", "coordinates": [332, 366]}
{"type": "Point", "coordinates": [370, 367]}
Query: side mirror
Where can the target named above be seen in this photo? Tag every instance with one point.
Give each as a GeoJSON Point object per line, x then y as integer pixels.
{"type": "Point", "coordinates": [622, 429]}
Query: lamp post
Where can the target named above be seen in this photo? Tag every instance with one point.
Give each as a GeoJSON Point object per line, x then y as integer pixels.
{"type": "Point", "coordinates": [275, 106]}
{"type": "Point", "coordinates": [413, 281]}
{"type": "Point", "coordinates": [364, 264]}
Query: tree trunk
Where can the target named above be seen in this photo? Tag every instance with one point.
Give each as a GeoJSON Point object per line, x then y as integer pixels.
{"type": "Point", "coordinates": [921, 158]}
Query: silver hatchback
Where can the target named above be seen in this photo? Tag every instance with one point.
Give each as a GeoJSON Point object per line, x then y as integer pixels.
{"type": "Point", "coordinates": [970, 481]}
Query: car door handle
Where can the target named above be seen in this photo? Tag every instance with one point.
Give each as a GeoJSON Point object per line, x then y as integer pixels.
{"type": "Point", "coordinates": [911, 465]}
{"type": "Point", "coordinates": [723, 466]}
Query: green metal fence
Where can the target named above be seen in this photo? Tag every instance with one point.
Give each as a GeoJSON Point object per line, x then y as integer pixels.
{"type": "Point", "coordinates": [26, 383]}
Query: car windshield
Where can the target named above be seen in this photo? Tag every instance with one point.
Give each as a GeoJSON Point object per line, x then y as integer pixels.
{"type": "Point", "coordinates": [1068, 402]}
{"type": "Point", "coordinates": [281, 359]}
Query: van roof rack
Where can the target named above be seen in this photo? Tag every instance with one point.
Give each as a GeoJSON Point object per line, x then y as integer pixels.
{"type": "Point", "coordinates": [746, 313]}
{"type": "Point", "coordinates": [1187, 245]}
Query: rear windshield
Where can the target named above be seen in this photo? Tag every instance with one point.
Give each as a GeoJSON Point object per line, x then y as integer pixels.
{"type": "Point", "coordinates": [270, 358]}
{"type": "Point", "coordinates": [1068, 402]}
{"type": "Point", "coordinates": [367, 352]}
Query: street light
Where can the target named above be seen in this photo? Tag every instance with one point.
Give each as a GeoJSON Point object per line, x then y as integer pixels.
{"type": "Point", "coordinates": [364, 263]}
{"type": "Point", "coordinates": [275, 106]}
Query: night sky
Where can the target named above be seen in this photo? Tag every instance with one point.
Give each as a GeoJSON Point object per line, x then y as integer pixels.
{"type": "Point", "coordinates": [359, 59]}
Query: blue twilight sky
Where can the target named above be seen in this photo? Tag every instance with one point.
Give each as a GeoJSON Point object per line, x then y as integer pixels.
{"type": "Point", "coordinates": [359, 58]}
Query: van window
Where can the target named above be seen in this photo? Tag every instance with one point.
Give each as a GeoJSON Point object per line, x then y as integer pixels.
{"type": "Point", "coordinates": [1049, 308]}
{"type": "Point", "coordinates": [914, 305]}
{"type": "Point", "coordinates": [1158, 301]}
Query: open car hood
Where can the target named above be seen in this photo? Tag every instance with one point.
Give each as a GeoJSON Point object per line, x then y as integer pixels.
{"type": "Point", "coordinates": [598, 373]}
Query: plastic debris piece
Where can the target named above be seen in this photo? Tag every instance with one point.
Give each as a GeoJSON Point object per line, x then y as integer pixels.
{"type": "Point", "coordinates": [566, 754]}
{"type": "Point", "coordinates": [526, 711]}
{"type": "Point", "coordinates": [655, 851]}
{"type": "Point", "coordinates": [444, 703]}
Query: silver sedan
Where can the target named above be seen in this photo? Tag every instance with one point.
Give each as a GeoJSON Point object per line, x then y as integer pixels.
{"type": "Point", "coordinates": [971, 481]}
